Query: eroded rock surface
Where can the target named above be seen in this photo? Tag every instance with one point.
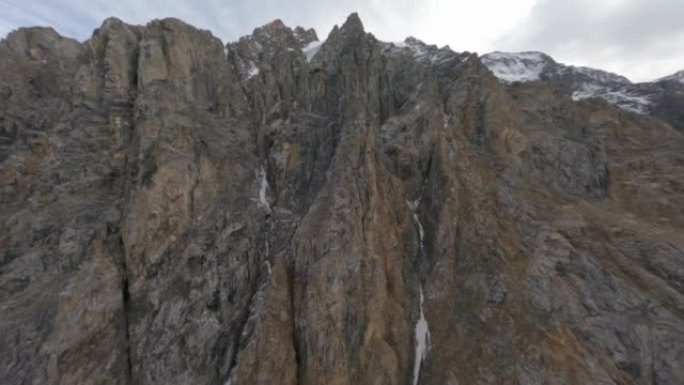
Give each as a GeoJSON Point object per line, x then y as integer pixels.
{"type": "Point", "coordinates": [177, 211]}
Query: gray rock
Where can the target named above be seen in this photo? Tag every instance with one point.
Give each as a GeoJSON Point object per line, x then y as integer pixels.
{"type": "Point", "coordinates": [176, 210]}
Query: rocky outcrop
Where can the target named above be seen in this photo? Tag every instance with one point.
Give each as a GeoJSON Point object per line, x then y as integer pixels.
{"type": "Point", "coordinates": [175, 210]}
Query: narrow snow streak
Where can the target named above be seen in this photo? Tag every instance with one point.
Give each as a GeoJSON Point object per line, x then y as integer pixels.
{"type": "Point", "coordinates": [263, 186]}
{"type": "Point", "coordinates": [422, 341]}
{"type": "Point", "coordinates": [422, 330]}
{"type": "Point", "coordinates": [421, 233]}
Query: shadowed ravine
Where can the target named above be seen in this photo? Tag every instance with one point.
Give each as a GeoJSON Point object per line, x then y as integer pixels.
{"type": "Point", "coordinates": [178, 211]}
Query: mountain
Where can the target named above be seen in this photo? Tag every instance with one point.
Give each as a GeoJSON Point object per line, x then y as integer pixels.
{"type": "Point", "coordinates": [661, 99]}
{"type": "Point", "coordinates": [279, 210]}
{"type": "Point", "coordinates": [677, 77]}
{"type": "Point", "coordinates": [531, 66]}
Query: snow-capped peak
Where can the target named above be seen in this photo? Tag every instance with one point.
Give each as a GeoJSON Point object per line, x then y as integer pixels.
{"type": "Point", "coordinates": [577, 82]}
{"type": "Point", "coordinates": [423, 53]}
{"type": "Point", "coordinates": [516, 66]}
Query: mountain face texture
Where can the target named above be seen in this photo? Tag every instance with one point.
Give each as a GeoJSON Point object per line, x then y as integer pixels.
{"type": "Point", "coordinates": [283, 211]}
{"type": "Point", "coordinates": [662, 98]}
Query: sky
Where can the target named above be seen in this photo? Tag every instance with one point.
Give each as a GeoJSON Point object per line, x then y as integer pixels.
{"type": "Point", "coordinates": [640, 39]}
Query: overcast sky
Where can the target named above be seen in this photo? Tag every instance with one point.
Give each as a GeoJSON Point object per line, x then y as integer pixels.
{"type": "Point", "coordinates": [641, 39]}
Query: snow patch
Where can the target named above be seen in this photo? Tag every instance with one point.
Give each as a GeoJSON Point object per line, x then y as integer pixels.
{"type": "Point", "coordinates": [421, 233]}
{"type": "Point", "coordinates": [634, 103]}
{"type": "Point", "coordinates": [311, 49]}
{"type": "Point", "coordinates": [263, 186]}
{"type": "Point", "coordinates": [600, 76]}
{"type": "Point", "coordinates": [586, 91]}
{"type": "Point", "coordinates": [253, 71]}
{"type": "Point", "coordinates": [588, 82]}
{"type": "Point", "coordinates": [617, 97]}
{"type": "Point", "coordinates": [515, 67]}
{"type": "Point", "coordinates": [423, 53]}
{"type": "Point", "coordinates": [422, 331]}
{"type": "Point", "coordinates": [416, 47]}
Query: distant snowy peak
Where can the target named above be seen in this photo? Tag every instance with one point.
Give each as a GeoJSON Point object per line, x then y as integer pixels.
{"type": "Point", "coordinates": [531, 66]}
{"type": "Point", "coordinates": [578, 82]}
{"type": "Point", "coordinates": [424, 53]}
{"type": "Point", "coordinates": [677, 76]}
{"type": "Point", "coordinates": [517, 67]}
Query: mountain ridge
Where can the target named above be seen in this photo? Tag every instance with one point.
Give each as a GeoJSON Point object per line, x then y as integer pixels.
{"type": "Point", "coordinates": [675, 75]}
{"type": "Point", "coordinates": [178, 210]}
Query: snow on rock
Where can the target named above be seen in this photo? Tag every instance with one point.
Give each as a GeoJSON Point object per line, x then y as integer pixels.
{"type": "Point", "coordinates": [421, 233]}
{"type": "Point", "coordinates": [585, 82]}
{"type": "Point", "coordinates": [529, 66]}
{"type": "Point", "coordinates": [253, 71]}
{"type": "Point", "coordinates": [422, 331]}
{"type": "Point", "coordinates": [622, 98]}
{"type": "Point", "coordinates": [516, 67]}
{"type": "Point", "coordinates": [424, 53]}
{"type": "Point", "coordinates": [311, 49]}
{"type": "Point", "coordinates": [263, 187]}
{"type": "Point", "coordinates": [415, 46]}
{"type": "Point", "coordinates": [599, 75]}
{"type": "Point", "coordinates": [635, 103]}
{"type": "Point", "coordinates": [587, 91]}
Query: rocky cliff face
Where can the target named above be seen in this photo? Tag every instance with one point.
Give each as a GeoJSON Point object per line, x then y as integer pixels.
{"type": "Point", "coordinates": [282, 211]}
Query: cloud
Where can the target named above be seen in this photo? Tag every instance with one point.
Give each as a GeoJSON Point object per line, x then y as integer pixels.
{"type": "Point", "coordinates": [226, 19]}
{"type": "Point", "coordinates": [640, 38]}
{"type": "Point", "coordinates": [442, 20]}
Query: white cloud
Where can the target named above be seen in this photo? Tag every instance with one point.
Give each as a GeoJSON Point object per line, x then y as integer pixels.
{"type": "Point", "coordinates": [640, 39]}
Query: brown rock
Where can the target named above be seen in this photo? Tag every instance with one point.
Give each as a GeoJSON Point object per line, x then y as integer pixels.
{"type": "Point", "coordinates": [173, 210]}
